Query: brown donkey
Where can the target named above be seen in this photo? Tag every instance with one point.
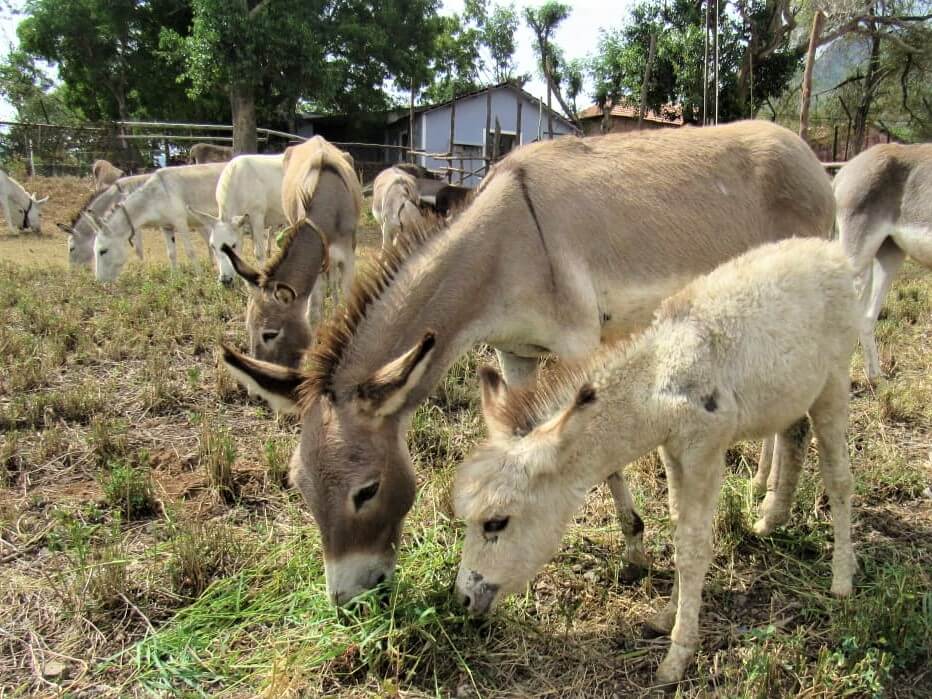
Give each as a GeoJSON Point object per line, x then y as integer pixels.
{"type": "Point", "coordinates": [571, 243]}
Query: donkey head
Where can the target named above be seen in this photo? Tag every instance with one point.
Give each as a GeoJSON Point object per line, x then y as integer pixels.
{"type": "Point", "coordinates": [116, 237]}
{"type": "Point", "coordinates": [222, 233]}
{"type": "Point", "coordinates": [277, 315]}
{"type": "Point", "coordinates": [515, 495]}
{"type": "Point", "coordinates": [27, 215]}
{"type": "Point", "coordinates": [80, 244]}
{"type": "Point", "coordinates": [352, 464]}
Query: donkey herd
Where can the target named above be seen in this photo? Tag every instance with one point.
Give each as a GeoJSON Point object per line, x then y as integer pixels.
{"type": "Point", "coordinates": [687, 280]}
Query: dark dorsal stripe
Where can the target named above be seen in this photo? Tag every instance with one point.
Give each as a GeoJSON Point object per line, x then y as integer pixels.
{"type": "Point", "coordinates": [522, 180]}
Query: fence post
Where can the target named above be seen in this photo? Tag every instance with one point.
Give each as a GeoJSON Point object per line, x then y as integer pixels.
{"type": "Point", "coordinates": [32, 164]}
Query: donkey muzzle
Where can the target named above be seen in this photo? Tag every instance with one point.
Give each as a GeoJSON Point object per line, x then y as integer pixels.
{"type": "Point", "coordinates": [476, 594]}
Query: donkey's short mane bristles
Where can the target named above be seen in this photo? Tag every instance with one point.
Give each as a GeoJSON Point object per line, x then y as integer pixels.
{"type": "Point", "coordinates": [85, 206]}
{"type": "Point", "coordinates": [288, 237]}
{"type": "Point", "coordinates": [335, 336]}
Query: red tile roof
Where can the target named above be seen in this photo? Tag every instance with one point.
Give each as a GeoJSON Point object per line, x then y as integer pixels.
{"type": "Point", "coordinates": [669, 113]}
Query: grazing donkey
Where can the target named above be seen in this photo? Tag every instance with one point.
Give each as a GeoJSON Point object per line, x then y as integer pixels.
{"type": "Point", "coordinates": [319, 184]}
{"type": "Point", "coordinates": [22, 210]}
{"type": "Point", "coordinates": [81, 230]}
{"type": "Point", "coordinates": [395, 203]}
{"type": "Point", "coordinates": [745, 351]}
{"type": "Point", "coordinates": [203, 153]}
{"type": "Point", "coordinates": [249, 197]}
{"type": "Point", "coordinates": [281, 302]}
{"type": "Point", "coordinates": [164, 200]}
{"type": "Point", "coordinates": [105, 174]}
{"type": "Point", "coordinates": [884, 213]}
{"type": "Point", "coordinates": [571, 243]}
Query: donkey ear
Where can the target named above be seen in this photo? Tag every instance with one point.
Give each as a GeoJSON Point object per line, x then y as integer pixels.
{"type": "Point", "coordinates": [494, 394]}
{"type": "Point", "coordinates": [242, 221]}
{"type": "Point", "coordinates": [277, 385]}
{"type": "Point", "coordinates": [248, 273]}
{"type": "Point", "coordinates": [563, 428]}
{"type": "Point", "coordinates": [65, 228]}
{"type": "Point", "coordinates": [39, 202]}
{"type": "Point", "coordinates": [385, 392]}
{"type": "Point", "coordinates": [283, 293]}
{"type": "Point", "coordinates": [202, 216]}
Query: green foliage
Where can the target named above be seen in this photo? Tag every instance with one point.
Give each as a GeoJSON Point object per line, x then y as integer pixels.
{"type": "Point", "coordinates": [128, 488]}
{"type": "Point", "coordinates": [677, 72]}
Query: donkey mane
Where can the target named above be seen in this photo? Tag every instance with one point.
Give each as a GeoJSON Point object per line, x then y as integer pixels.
{"type": "Point", "coordinates": [288, 237]}
{"type": "Point", "coordinates": [335, 336]}
{"type": "Point", "coordinates": [85, 206]}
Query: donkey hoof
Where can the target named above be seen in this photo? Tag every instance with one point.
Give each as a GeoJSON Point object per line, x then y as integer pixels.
{"type": "Point", "coordinates": [631, 573]}
{"type": "Point", "coordinates": [763, 527]}
{"type": "Point", "coordinates": [759, 487]}
{"type": "Point", "coordinates": [673, 667]}
{"type": "Point", "coordinates": [842, 588]}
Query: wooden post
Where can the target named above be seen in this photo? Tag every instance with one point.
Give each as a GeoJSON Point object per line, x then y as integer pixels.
{"type": "Point", "coordinates": [497, 141]}
{"type": "Point", "coordinates": [411, 124]}
{"type": "Point", "coordinates": [518, 138]}
{"type": "Point", "coordinates": [488, 125]}
{"type": "Point", "coordinates": [452, 135]}
{"type": "Point", "coordinates": [806, 92]}
{"type": "Point", "coordinates": [835, 143]}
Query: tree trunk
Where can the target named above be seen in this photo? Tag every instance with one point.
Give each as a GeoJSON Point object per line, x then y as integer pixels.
{"type": "Point", "coordinates": [549, 94]}
{"type": "Point", "coordinates": [644, 85]}
{"type": "Point", "coordinates": [243, 106]}
{"type": "Point", "coordinates": [867, 96]}
{"type": "Point", "coordinates": [806, 96]}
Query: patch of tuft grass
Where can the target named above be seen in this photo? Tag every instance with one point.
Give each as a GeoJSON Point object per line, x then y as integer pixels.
{"type": "Point", "coordinates": [128, 488]}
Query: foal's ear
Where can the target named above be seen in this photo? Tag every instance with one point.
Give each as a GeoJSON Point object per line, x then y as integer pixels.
{"type": "Point", "coordinates": [385, 392]}
{"type": "Point", "coordinates": [563, 428]}
{"type": "Point", "coordinates": [494, 395]}
{"type": "Point", "coordinates": [276, 384]}
{"type": "Point", "coordinates": [246, 271]}
{"type": "Point", "coordinates": [283, 293]}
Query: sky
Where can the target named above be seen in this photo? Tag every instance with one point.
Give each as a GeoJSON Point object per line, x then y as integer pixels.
{"type": "Point", "coordinates": [577, 36]}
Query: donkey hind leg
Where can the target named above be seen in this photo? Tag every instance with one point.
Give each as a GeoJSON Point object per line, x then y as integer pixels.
{"type": "Point", "coordinates": [829, 421]}
{"type": "Point", "coordinates": [701, 477]}
{"type": "Point", "coordinates": [170, 247]}
{"type": "Point", "coordinates": [790, 453]}
{"type": "Point", "coordinates": [887, 263]}
{"type": "Point", "coordinates": [519, 372]}
{"type": "Point", "coordinates": [764, 465]}
{"type": "Point", "coordinates": [632, 526]}
{"type": "Point", "coordinates": [185, 233]}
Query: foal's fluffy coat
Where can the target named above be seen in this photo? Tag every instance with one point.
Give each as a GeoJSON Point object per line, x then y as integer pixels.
{"type": "Point", "coordinates": [745, 351]}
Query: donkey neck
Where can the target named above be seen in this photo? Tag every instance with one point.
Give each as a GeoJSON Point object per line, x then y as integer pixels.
{"type": "Point", "coordinates": [447, 286]}
{"type": "Point", "coordinates": [628, 420]}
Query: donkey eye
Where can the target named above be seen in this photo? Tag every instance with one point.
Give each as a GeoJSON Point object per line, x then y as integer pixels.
{"type": "Point", "coordinates": [364, 494]}
{"type": "Point", "coordinates": [103, 252]}
{"type": "Point", "coordinates": [493, 526]}
{"type": "Point", "coordinates": [269, 335]}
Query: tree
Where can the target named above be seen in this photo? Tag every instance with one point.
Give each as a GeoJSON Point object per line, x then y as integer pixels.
{"type": "Point", "coordinates": [107, 55]}
{"type": "Point", "coordinates": [498, 35]}
{"type": "Point", "coordinates": [544, 21]}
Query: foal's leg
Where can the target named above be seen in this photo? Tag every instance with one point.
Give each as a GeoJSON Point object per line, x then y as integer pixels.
{"type": "Point", "coordinates": [781, 486]}
{"type": "Point", "coordinates": [632, 526]}
{"type": "Point", "coordinates": [701, 482]}
{"type": "Point", "coordinates": [829, 420]}
{"type": "Point", "coordinates": [764, 464]}
{"type": "Point", "coordinates": [887, 263]}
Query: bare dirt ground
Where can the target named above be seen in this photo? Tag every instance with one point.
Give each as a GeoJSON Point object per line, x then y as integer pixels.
{"type": "Point", "coordinates": [150, 545]}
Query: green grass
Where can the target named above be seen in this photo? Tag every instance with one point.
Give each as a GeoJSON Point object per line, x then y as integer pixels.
{"type": "Point", "coordinates": [151, 543]}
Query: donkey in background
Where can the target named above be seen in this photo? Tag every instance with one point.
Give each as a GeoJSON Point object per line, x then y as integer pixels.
{"type": "Point", "coordinates": [22, 210]}
{"type": "Point", "coordinates": [884, 213]}
{"type": "Point", "coordinates": [746, 351]}
{"type": "Point", "coordinates": [395, 201]}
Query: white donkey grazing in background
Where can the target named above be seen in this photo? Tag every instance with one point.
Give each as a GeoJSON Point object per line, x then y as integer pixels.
{"type": "Point", "coordinates": [395, 203]}
{"type": "Point", "coordinates": [746, 351]}
{"type": "Point", "coordinates": [22, 210]}
{"type": "Point", "coordinates": [249, 198]}
{"type": "Point", "coordinates": [81, 230]}
{"type": "Point", "coordinates": [884, 213]}
{"type": "Point", "coordinates": [163, 201]}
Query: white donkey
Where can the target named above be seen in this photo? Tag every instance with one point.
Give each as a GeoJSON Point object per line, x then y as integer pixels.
{"type": "Point", "coordinates": [395, 201]}
{"type": "Point", "coordinates": [23, 211]}
{"type": "Point", "coordinates": [81, 231]}
{"type": "Point", "coordinates": [249, 198]}
{"type": "Point", "coordinates": [164, 201]}
{"type": "Point", "coordinates": [746, 351]}
{"type": "Point", "coordinates": [884, 213]}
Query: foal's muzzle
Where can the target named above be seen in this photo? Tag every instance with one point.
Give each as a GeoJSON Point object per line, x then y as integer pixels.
{"type": "Point", "coordinates": [476, 594]}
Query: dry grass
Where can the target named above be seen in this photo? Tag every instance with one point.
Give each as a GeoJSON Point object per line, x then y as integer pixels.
{"type": "Point", "coordinates": [148, 544]}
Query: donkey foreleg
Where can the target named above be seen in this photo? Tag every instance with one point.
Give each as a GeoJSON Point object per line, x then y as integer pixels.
{"type": "Point", "coordinates": [702, 476]}
{"type": "Point", "coordinates": [632, 526]}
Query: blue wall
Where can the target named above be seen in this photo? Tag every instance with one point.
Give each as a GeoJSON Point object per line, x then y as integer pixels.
{"type": "Point", "coordinates": [470, 126]}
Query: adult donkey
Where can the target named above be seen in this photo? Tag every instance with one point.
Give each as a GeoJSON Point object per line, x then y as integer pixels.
{"type": "Point", "coordinates": [22, 210]}
{"type": "Point", "coordinates": [319, 186]}
{"type": "Point", "coordinates": [164, 200]}
{"type": "Point", "coordinates": [884, 199]}
{"type": "Point", "coordinates": [570, 243]}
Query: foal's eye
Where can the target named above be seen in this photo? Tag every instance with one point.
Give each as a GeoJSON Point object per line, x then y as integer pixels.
{"type": "Point", "coordinates": [493, 526]}
{"type": "Point", "coordinates": [103, 252]}
{"type": "Point", "coordinates": [364, 494]}
{"type": "Point", "coordinates": [269, 335]}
